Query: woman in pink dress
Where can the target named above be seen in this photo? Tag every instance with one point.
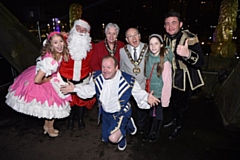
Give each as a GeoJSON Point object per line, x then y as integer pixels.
{"type": "Point", "coordinates": [36, 91]}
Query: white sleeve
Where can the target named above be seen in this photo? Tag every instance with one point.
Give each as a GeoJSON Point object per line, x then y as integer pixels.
{"type": "Point", "coordinates": [48, 65]}
{"type": "Point", "coordinates": [85, 91]}
{"type": "Point", "coordinates": [140, 95]}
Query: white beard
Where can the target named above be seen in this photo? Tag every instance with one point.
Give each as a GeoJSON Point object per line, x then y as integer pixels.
{"type": "Point", "coordinates": [79, 44]}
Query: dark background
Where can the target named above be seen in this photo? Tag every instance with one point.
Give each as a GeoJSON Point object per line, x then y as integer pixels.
{"type": "Point", "coordinates": [146, 15]}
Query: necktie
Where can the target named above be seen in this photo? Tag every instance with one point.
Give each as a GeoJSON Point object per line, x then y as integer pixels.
{"type": "Point", "coordinates": [135, 54]}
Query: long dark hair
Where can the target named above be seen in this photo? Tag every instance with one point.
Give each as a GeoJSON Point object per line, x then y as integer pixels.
{"type": "Point", "coordinates": [160, 66]}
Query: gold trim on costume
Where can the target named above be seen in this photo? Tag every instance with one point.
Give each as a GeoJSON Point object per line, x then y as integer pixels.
{"type": "Point", "coordinates": [118, 126]}
{"type": "Point", "coordinates": [192, 39]}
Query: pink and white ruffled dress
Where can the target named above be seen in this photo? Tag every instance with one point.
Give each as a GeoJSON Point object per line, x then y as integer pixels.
{"type": "Point", "coordinates": [39, 100]}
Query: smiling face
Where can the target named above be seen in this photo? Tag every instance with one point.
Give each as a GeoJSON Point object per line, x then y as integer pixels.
{"type": "Point", "coordinates": [57, 43]}
{"type": "Point", "coordinates": [172, 25]}
{"type": "Point", "coordinates": [111, 34]}
{"type": "Point", "coordinates": [81, 29]}
{"type": "Point", "coordinates": [155, 46]}
{"type": "Point", "coordinates": [109, 68]}
{"type": "Point", "coordinates": [133, 37]}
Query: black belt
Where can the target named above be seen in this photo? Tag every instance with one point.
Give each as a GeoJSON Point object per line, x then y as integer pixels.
{"type": "Point", "coordinates": [74, 82]}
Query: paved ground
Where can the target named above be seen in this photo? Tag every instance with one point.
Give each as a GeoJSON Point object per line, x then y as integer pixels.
{"type": "Point", "coordinates": [204, 138]}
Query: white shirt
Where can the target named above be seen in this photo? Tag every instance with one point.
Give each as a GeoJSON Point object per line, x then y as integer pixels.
{"type": "Point", "coordinates": [137, 51]}
{"type": "Point", "coordinates": [109, 97]}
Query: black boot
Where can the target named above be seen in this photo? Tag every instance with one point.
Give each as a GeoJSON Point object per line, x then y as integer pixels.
{"type": "Point", "coordinates": [151, 129]}
{"type": "Point", "coordinates": [172, 123]}
{"type": "Point", "coordinates": [156, 134]}
{"type": "Point", "coordinates": [70, 124]}
{"type": "Point", "coordinates": [81, 111]}
{"type": "Point", "coordinates": [178, 128]}
{"type": "Point", "coordinates": [175, 133]}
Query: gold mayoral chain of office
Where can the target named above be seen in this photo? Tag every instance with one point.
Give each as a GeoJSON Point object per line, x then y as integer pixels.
{"type": "Point", "coordinates": [111, 52]}
{"type": "Point", "coordinates": [136, 69]}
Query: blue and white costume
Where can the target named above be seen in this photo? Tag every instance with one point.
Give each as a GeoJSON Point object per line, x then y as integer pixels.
{"type": "Point", "coordinates": [113, 96]}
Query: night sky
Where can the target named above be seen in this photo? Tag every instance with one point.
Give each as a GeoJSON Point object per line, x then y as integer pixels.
{"type": "Point", "coordinates": [57, 8]}
{"type": "Point", "coordinates": [131, 14]}
{"type": "Point", "coordinates": [95, 12]}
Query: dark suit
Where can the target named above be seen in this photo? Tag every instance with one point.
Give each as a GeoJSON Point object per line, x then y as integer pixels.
{"type": "Point", "coordinates": [186, 72]}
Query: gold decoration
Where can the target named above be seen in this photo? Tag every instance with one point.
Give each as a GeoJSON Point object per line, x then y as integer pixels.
{"type": "Point", "coordinates": [111, 52]}
{"type": "Point", "coordinates": [223, 44]}
{"type": "Point", "coordinates": [136, 69]}
{"type": "Point", "coordinates": [75, 13]}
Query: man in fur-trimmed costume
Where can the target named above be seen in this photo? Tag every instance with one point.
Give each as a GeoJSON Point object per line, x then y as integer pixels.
{"type": "Point", "coordinates": [77, 70]}
{"type": "Point", "coordinates": [188, 58]}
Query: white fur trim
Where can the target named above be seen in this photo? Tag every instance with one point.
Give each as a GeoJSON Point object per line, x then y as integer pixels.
{"type": "Point", "coordinates": [77, 70]}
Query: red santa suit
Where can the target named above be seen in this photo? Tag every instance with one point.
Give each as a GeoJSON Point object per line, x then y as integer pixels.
{"type": "Point", "coordinates": [77, 69]}
{"type": "Point", "coordinates": [80, 69]}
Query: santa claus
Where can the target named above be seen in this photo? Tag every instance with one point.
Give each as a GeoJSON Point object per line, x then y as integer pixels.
{"type": "Point", "coordinates": [77, 69]}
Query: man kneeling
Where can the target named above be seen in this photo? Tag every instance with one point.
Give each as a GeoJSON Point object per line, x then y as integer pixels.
{"type": "Point", "coordinates": [113, 89]}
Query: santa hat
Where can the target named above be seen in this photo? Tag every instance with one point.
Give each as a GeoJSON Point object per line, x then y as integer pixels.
{"type": "Point", "coordinates": [82, 23]}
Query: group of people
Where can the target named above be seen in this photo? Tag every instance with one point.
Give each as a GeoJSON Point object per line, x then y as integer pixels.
{"type": "Point", "coordinates": [72, 74]}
